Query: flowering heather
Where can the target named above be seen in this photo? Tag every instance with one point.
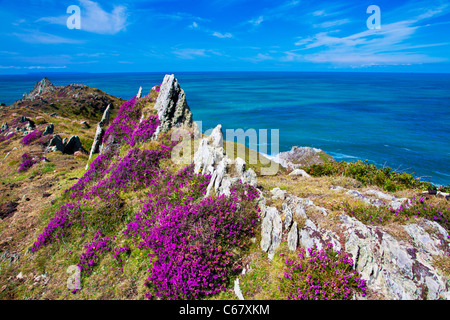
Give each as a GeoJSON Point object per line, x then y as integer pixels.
{"type": "Point", "coordinates": [323, 275]}
{"type": "Point", "coordinates": [32, 136]}
{"type": "Point", "coordinates": [136, 169]}
{"type": "Point", "coordinates": [420, 209]}
{"type": "Point", "coordinates": [119, 251]}
{"type": "Point", "coordinates": [93, 250]}
{"type": "Point", "coordinates": [5, 137]}
{"type": "Point", "coordinates": [414, 208]}
{"type": "Point", "coordinates": [56, 227]}
{"type": "Point", "coordinates": [145, 130]}
{"type": "Point", "coordinates": [125, 123]}
{"type": "Point", "coordinates": [96, 171]}
{"type": "Point", "coordinates": [197, 246]}
{"type": "Point", "coordinates": [27, 162]}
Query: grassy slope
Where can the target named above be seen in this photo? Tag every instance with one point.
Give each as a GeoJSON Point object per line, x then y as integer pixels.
{"type": "Point", "coordinates": [111, 280]}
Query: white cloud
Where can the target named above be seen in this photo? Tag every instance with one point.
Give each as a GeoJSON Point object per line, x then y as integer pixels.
{"type": "Point", "coordinates": [43, 38]}
{"type": "Point", "coordinates": [222, 36]}
{"type": "Point", "coordinates": [32, 67]}
{"type": "Point", "coordinates": [96, 20]}
{"type": "Point", "coordinates": [190, 54]}
{"type": "Point", "coordinates": [257, 21]}
{"type": "Point", "coordinates": [390, 45]}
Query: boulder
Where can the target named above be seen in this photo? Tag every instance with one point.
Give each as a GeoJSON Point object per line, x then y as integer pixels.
{"type": "Point", "coordinates": [271, 232]}
{"type": "Point", "coordinates": [55, 144]}
{"type": "Point", "coordinates": [4, 127]}
{"type": "Point", "coordinates": [49, 129]}
{"type": "Point", "coordinates": [277, 193]}
{"type": "Point", "coordinates": [73, 145]}
{"type": "Point", "coordinates": [299, 172]}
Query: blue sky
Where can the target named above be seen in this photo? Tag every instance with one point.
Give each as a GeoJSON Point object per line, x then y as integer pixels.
{"type": "Point", "coordinates": [224, 35]}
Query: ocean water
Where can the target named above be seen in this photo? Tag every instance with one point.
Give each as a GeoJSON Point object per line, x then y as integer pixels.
{"type": "Point", "coordinates": [396, 120]}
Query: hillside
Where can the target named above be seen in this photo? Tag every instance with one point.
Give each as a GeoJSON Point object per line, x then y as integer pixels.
{"type": "Point", "coordinates": [164, 212]}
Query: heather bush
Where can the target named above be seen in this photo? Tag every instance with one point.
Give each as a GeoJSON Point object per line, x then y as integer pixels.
{"type": "Point", "coordinates": [58, 226]}
{"type": "Point", "coordinates": [27, 162]}
{"type": "Point", "coordinates": [125, 123]}
{"type": "Point", "coordinates": [196, 244]}
{"type": "Point", "coordinates": [320, 275]}
{"type": "Point", "coordinates": [145, 130]}
{"type": "Point", "coordinates": [197, 247]}
{"type": "Point", "coordinates": [368, 174]}
{"type": "Point", "coordinates": [93, 251]}
{"type": "Point", "coordinates": [31, 137]}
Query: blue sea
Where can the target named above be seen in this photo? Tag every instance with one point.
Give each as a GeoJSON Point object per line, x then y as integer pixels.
{"type": "Point", "coordinates": [396, 120]}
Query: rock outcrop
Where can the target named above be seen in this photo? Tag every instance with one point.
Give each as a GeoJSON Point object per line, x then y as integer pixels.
{"type": "Point", "coordinates": [99, 133]}
{"type": "Point", "coordinates": [40, 88]}
{"type": "Point", "coordinates": [210, 158]}
{"type": "Point", "coordinates": [172, 107]}
{"type": "Point", "coordinates": [73, 145]}
{"type": "Point", "coordinates": [49, 129]}
{"type": "Point", "coordinates": [393, 268]}
{"type": "Point", "coordinates": [300, 157]}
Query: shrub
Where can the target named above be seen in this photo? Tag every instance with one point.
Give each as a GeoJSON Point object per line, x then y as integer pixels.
{"type": "Point", "coordinates": [368, 174]}
{"type": "Point", "coordinates": [57, 226]}
{"type": "Point", "coordinates": [31, 137]}
{"type": "Point", "coordinates": [27, 162]}
{"type": "Point", "coordinates": [321, 275]}
{"type": "Point", "coordinates": [93, 250]}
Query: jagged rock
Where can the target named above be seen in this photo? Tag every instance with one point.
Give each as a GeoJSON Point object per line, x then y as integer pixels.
{"type": "Point", "coordinates": [299, 157]}
{"type": "Point", "coordinates": [40, 88]}
{"type": "Point", "coordinates": [277, 193]}
{"type": "Point", "coordinates": [139, 94]}
{"type": "Point", "coordinates": [85, 124]}
{"type": "Point", "coordinates": [237, 290]}
{"type": "Point", "coordinates": [99, 133]}
{"type": "Point", "coordinates": [271, 231]}
{"type": "Point", "coordinates": [73, 145]}
{"type": "Point", "coordinates": [53, 114]}
{"type": "Point", "coordinates": [55, 144]}
{"type": "Point", "coordinates": [394, 267]}
{"type": "Point", "coordinates": [4, 127]}
{"type": "Point", "coordinates": [210, 158]}
{"type": "Point", "coordinates": [49, 129]}
{"type": "Point", "coordinates": [314, 236]}
{"type": "Point", "coordinates": [292, 238]}
{"type": "Point", "coordinates": [173, 110]}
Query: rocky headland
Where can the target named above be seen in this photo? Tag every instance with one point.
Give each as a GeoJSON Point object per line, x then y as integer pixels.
{"type": "Point", "coordinates": [139, 225]}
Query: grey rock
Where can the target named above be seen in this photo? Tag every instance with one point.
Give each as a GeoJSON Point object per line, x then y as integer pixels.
{"type": "Point", "coordinates": [299, 157]}
{"type": "Point", "coordinates": [53, 114]}
{"type": "Point", "coordinates": [172, 107]}
{"type": "Point", "coordinates": [40, 88]}
{"type": "Point", "coordinates": [277, 193]}
{"type": "Point", "coordinates": [292, 238]}
{"type": "Point", "coordinates": [299, 172]}
{"type": "Point", "coordinates": [49, 129]}
{"type": "Point", "coordinates": [139, 94]}
{"type": "Point", "coordinates": [271, 231]}
{"type": "Point", "coordinates": [99, 134]}
{"type": "Point", "coordinates": [55, 144]}
{"type": "Point", "coordinates": [73, 145]}
{"type": "Point", "coordinates": [4, 127]}
{"type": "Point", "coordinates": [239, 165]}
{"type": "Point", "coordinates": [237, 290]}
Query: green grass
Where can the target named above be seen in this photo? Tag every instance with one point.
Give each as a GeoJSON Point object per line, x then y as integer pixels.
{"type": "Point", "coordinates": [369, 174]}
